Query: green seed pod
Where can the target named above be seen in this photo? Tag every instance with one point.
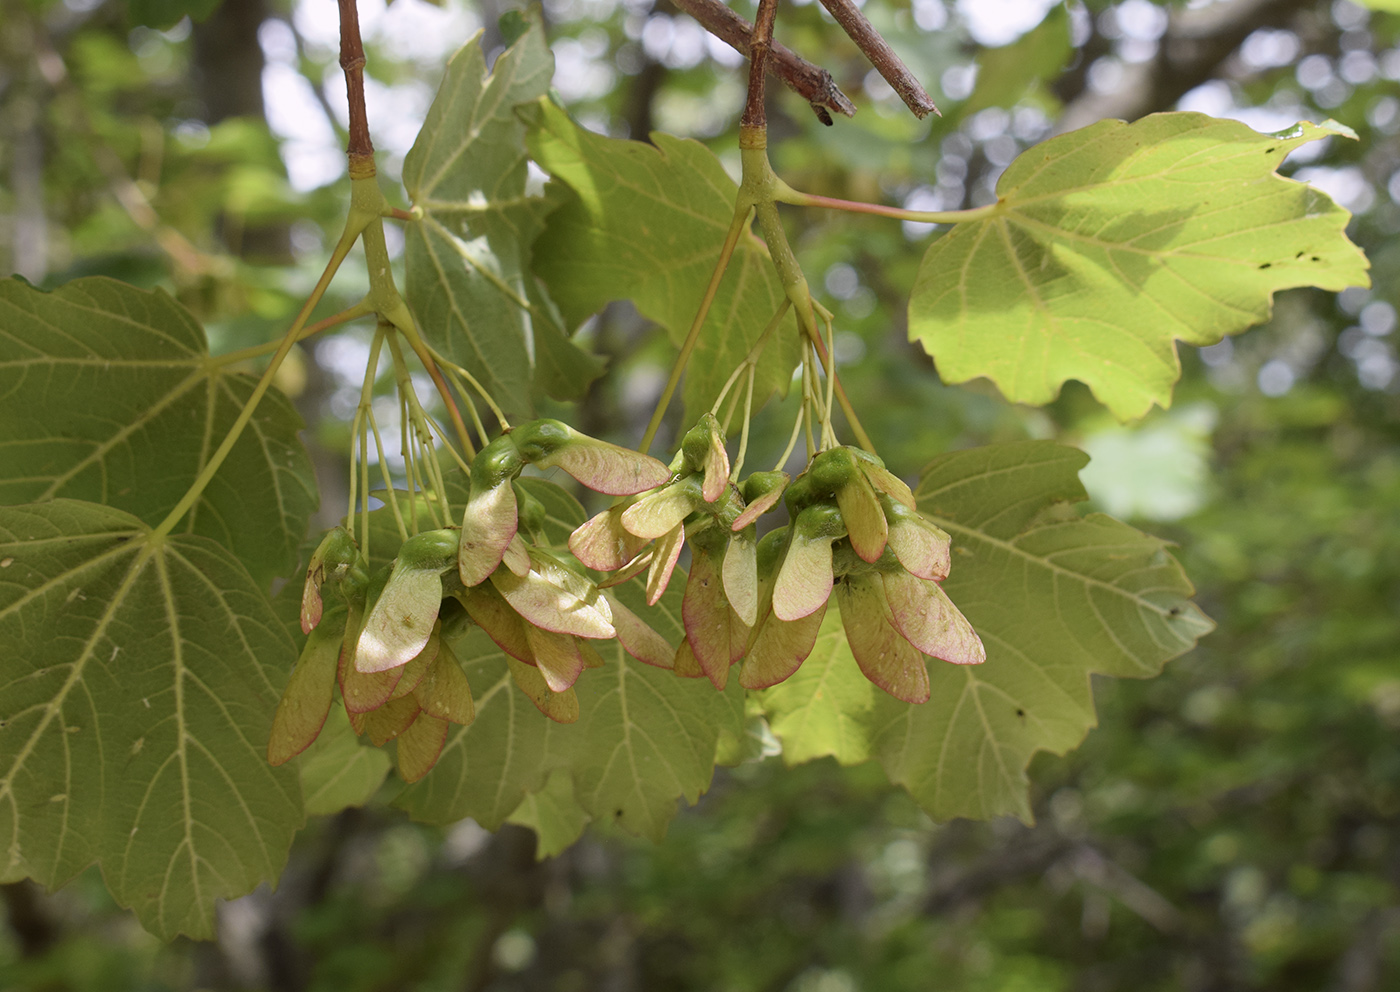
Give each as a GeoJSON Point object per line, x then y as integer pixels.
{"type": "Point", "coordinates": [541, 438]}
{"type": "Point", "coordinates": [832, 471]}
{"type": "Point", "coordinates": [761, 484]}
{"type": "Point", "coordinates": [770, 550]}
{"type": "Point", "coordinates": [430, 550]}
{"type": "Point", "coordinates": [800, 494]}
{"type": "Point", "coordinates": [602, 467]}
{"type": "Point", "coordinates": [493, 464]}
{"type": "Point", "coordinates": [530, 511]}
{"type": "Point", "coordinates": [329, 565]}
{"type": "Point", "coordinates": [699, 441]}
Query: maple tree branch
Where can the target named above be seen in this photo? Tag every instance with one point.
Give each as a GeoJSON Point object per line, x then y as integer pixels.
{"type": "Point", "coordinates": [359, 149]}
{"type": "Point", "coordinates": [882, 56]}
{"type": "Point", "coordinates": [755, 116]}
{"type": "Point", "coordinates": [813, 83]}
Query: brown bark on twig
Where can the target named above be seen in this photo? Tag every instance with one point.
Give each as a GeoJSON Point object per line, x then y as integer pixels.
{"type": "Point", "coordinates": [813, 83]}
{"type": "Point", "coordinates": [352, 60]}
{"type": "Point", "coordinates": [759, 44]}
{"type": "Point", "coordinates": [882, 56]}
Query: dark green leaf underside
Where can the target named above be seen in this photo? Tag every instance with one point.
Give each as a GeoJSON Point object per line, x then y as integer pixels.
{"type": "Point", "coordinates": [138, 680]}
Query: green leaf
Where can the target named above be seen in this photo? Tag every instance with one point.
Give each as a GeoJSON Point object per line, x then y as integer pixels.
{"type": "Point", "coordinates": [646, 224]}
{"type": "Point", "coordinates": [338, 771]}
{"type": "Point", "coordinates": [108, 394]}
{"type": "Point", "coordinates": [468, 260]}
{"type": "Point", "coordinates": [1110, 243]}
{"type": "Point", "coordinates": [1055, 597]}
{"type": "Point", "coordinates": [825, 707]}
{"type": "Point", "coordinates": [553, 814]}
{"type": "Point", "coordinates": [140, 676]}
{"type": "Point", "coordinates": [645, 737]}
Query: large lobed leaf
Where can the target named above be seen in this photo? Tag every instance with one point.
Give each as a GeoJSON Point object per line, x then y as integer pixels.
{"type": "Point", "coordinates": [1110, 243]}
{"type": "Point", "coordinates": [108, 394]}
{"type": "Point", "coordinates": [468, 275]}
{"type": "Point", "coordinates": [1055, 597]}
{"type": "Point", "coordinates": [646, 223]}
{"type": "Point", "coordinates": [138, 677]}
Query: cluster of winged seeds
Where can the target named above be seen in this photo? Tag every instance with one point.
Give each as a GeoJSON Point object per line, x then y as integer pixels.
{"type": "Point", "coordinates": [854, 529]}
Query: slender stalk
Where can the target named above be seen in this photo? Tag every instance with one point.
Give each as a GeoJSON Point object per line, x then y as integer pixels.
{"type": "Point", "coordinates": [786, 194]}
{"type": "Point", "coordinates": [729, 413]}
{"type": "Point", "coordinates": [809, 400]}
{"type": "Point", "coordinates": [882, 56]}
{"type": "Point", "coordinates": [751, 359]}
{"type": "Point", "coordinates": [216, 461]}
{"type": "Point", "coordinates": [364, 489]}
{"type": "Point", "coordinates": [851, 419]}
{"type": "Point", "coordinates": [410, 467]}
{"type": "Point", "coordinates": [361, 309]}
{"type": "Point", "coordinates": [415, 417]}
{"type": "Point", "coordinates": [792, 439]}
{"type": "Point", "coordinates": [436, 428]}
{"type": "Point", "coordinates": [391, 497]}
{"type": "Point", "coordinates": [480, 391]}
{"type": "Point", "coordinates": [359, 465]}
{"type": "Point", "coordinates": [736, 228]}
{"type": "Point", "coordinates": [829, 432]}
{"type": "Point", "coordinates": [744, 436]}
{"type": "Point", "coordinates": [728, 384]}
{"type": "Point", "coordinates": [471, 407]}
{"type": "Point", "coordinates": [400, 316]}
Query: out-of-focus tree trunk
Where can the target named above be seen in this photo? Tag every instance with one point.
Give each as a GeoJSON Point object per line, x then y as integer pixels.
{"type": "Point", "coordinates": [229, 60]}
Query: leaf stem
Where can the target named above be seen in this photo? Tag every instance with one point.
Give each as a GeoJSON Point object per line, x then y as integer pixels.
{"type": "Point", "coordinates": [731, 239]}
{"type": "Point", "coordinates": [361, 309]}
{"type": "Point", "coordinates": [786, 194]}
{"type": "Point", "coordinates": [216, 461]}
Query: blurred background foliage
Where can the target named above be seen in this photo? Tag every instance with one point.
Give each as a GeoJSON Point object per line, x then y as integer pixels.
{"type": "Point", "coordinates": [1232, 825]}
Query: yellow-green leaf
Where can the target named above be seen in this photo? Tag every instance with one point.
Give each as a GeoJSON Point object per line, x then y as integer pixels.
{"type": "Point", "coordinates": [1109, 244]}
